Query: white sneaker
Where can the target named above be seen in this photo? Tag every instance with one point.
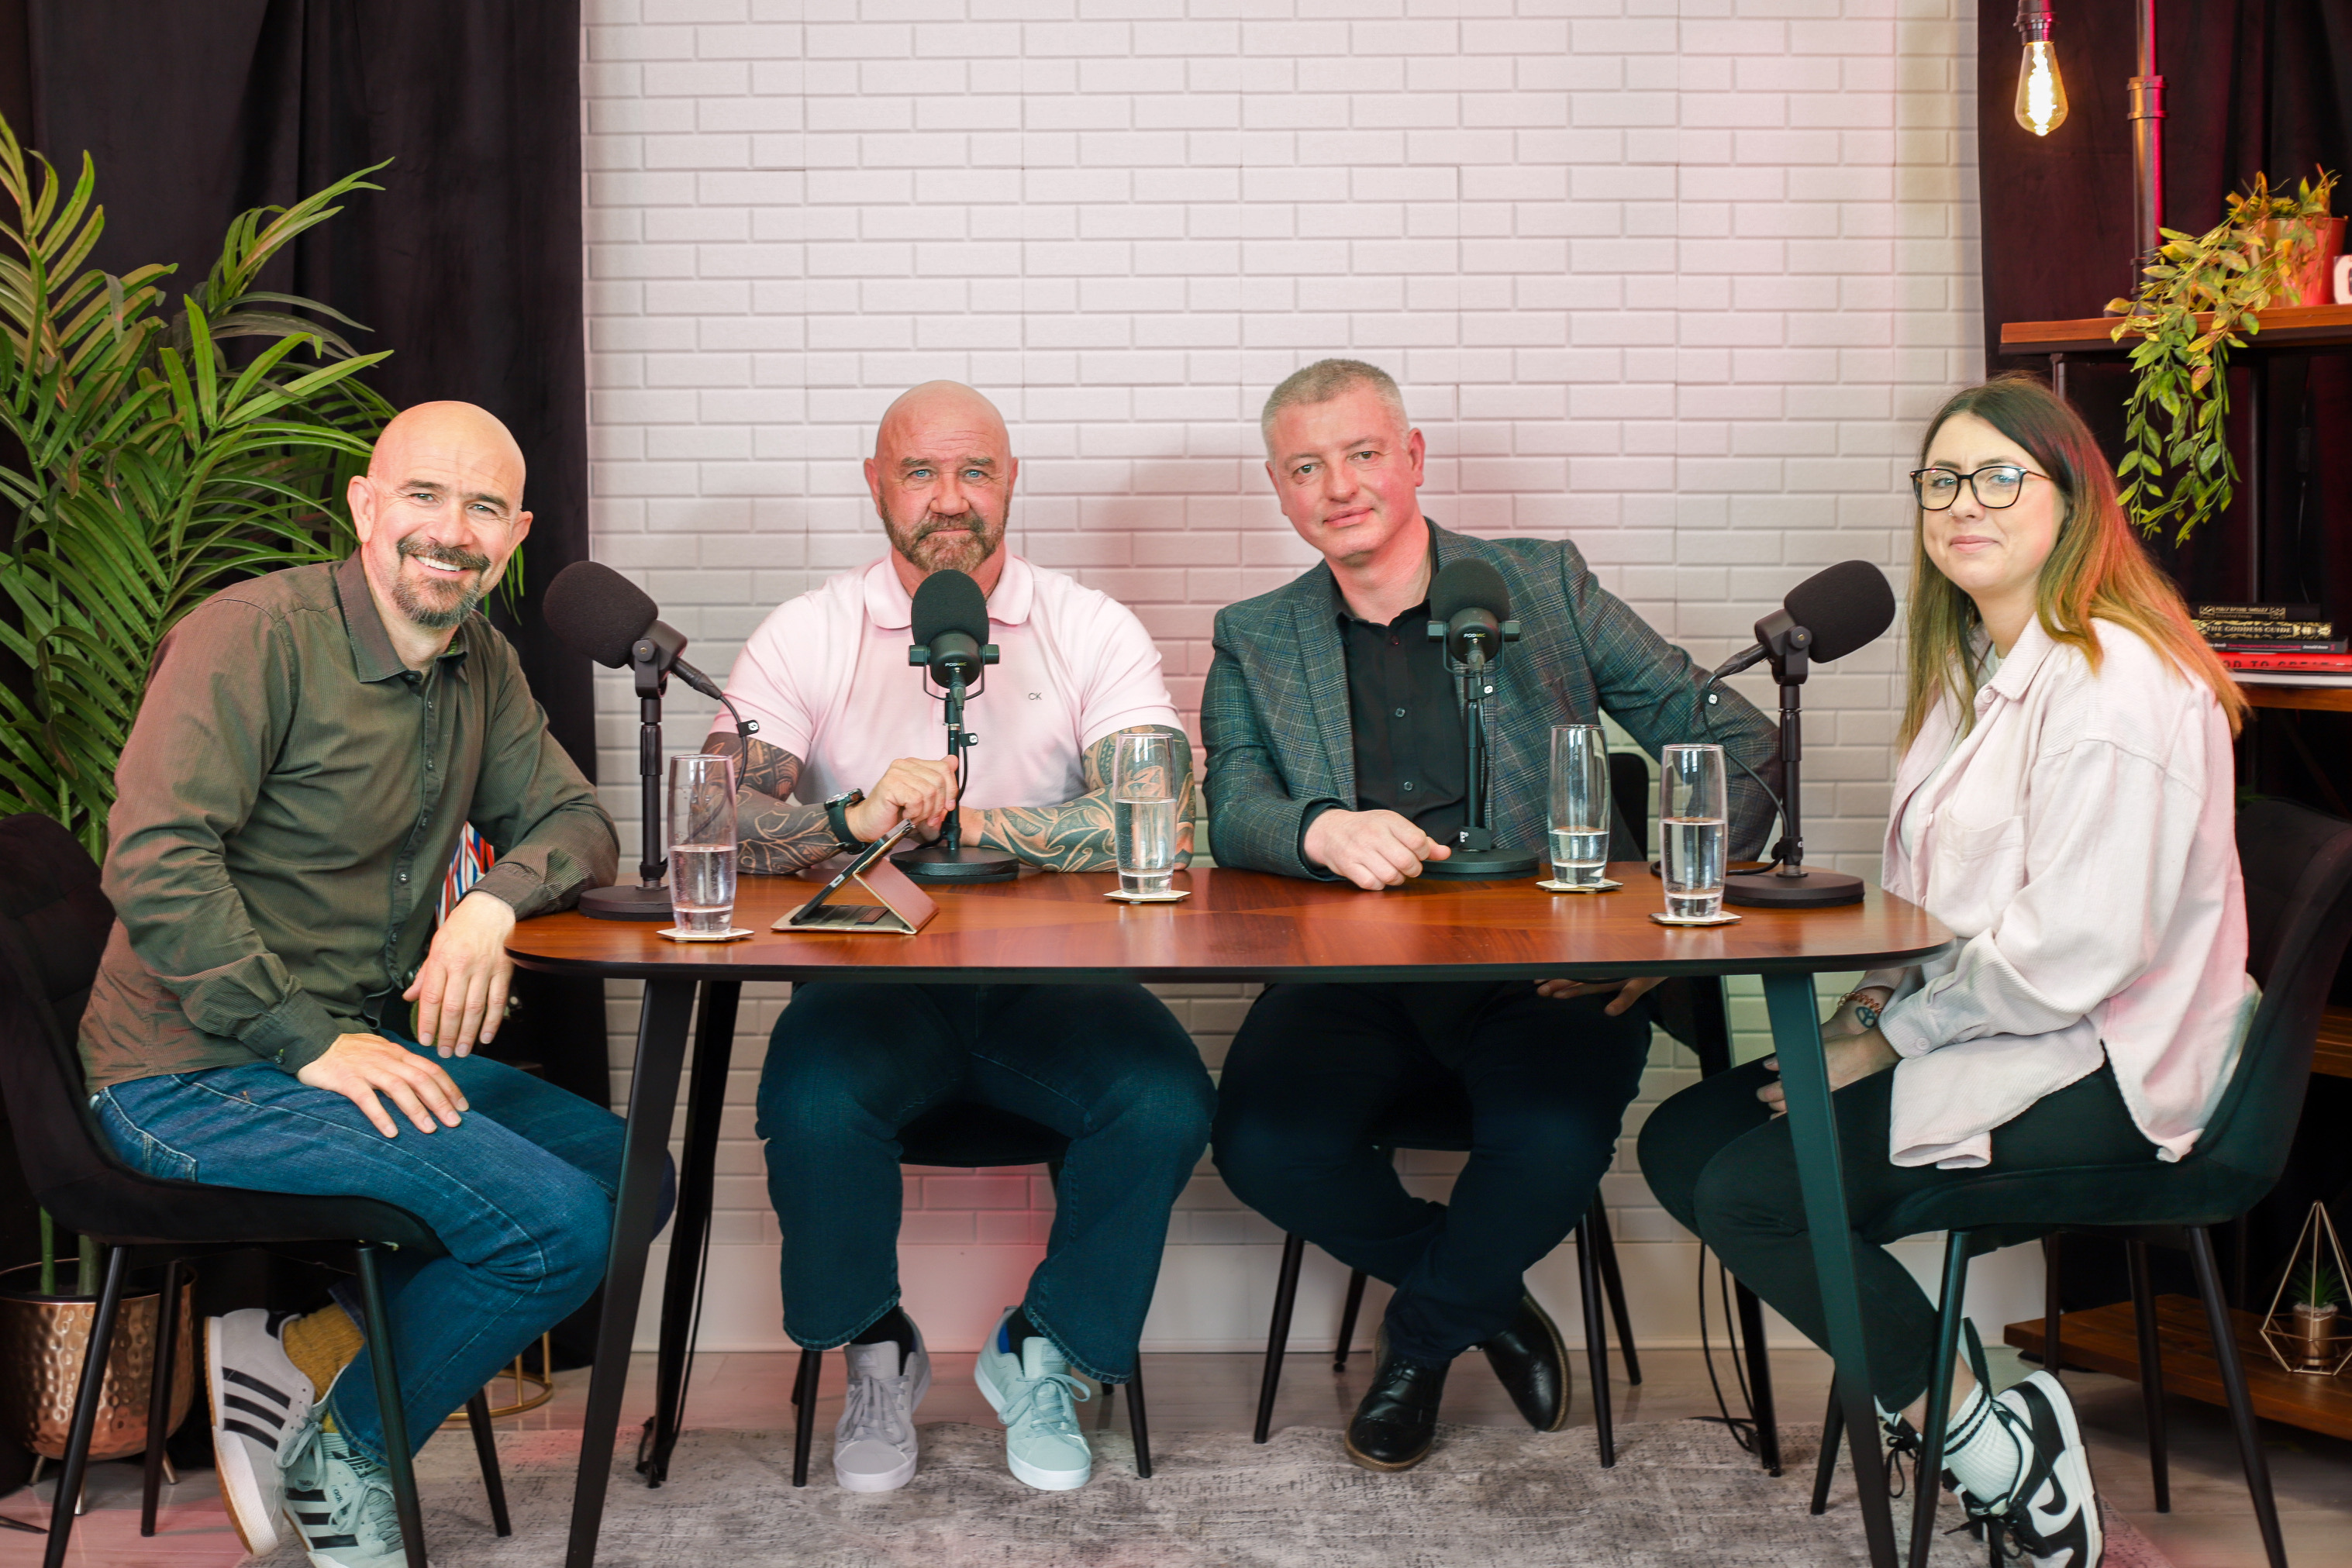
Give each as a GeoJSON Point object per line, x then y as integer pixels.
{"type": "Point", "coordinates": [1031, 1390]}
{"type": "Point", "coordinates": [341, 1505]}
{"type": "Point", "coordinates": [259, 1402]}
{"type": "Point", "coordinates": [873, 1443]}
{"type": "Point", "coordinates": [2052, 1511]}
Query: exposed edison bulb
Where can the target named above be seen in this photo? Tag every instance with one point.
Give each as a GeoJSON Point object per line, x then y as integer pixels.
{"type": "Point", "coordinates": [2040, 91]}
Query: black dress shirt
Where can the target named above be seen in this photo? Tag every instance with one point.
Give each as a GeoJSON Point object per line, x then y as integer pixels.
{"type": "Point", "coordinates": [1405, 713]}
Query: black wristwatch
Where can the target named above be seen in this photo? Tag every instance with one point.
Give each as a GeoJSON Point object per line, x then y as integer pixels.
{"type": "Point", "coordinates": [837, 812]}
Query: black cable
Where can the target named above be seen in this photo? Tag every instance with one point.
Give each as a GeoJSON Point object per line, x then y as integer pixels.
{"type": "Point", "coordinates": [1742, 1428]}
{"type": "Point", "coordinates": [1706, 722]}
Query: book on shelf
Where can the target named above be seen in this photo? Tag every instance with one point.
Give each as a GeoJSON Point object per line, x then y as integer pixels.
{"type": "Point", "coordinates": [2340, 680]}
{"type": "Point", "coordinates": [2273, 645]}
{"type": "Point", "coordinates": [2302, 663]}
{"type": "Point", "coordinates": [2259, 612]}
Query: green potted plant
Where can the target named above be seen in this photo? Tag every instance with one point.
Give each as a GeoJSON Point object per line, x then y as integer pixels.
{"type": "Point", "coordinates": [2317, 1297]}
{"type": "Point", "coordinates": [2202, 296]}
{"type": "Point", "coordinates": [157, 466]}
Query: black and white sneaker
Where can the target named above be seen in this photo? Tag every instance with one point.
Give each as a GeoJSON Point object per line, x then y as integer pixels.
{"type": "Point", "coordinates": [2051, 1514]}
{"type": "Point", "coordinates": [260, 1404]}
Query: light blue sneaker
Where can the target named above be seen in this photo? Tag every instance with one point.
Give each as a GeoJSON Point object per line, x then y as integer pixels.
{"type": "Point", "coordinates": [1032, 1392]}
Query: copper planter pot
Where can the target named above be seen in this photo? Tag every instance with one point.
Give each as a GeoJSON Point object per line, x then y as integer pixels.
{"type": "Point", "coordinates": [41, 1344]}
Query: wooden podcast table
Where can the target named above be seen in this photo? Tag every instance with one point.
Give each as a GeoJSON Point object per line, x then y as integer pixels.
{"type": "Point", "coordinates": [1237, 925]}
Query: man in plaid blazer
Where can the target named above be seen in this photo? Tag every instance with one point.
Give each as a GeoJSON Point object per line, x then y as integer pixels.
{"type": "Point", "coordinates": [1334, 733]}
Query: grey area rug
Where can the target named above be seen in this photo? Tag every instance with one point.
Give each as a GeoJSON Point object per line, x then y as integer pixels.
{"type": "Point", "coordinates": [1679, 1494]}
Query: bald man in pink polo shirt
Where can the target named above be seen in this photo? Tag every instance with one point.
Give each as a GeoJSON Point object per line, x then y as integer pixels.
{"type": "Point", "coordinates": [850, 744]}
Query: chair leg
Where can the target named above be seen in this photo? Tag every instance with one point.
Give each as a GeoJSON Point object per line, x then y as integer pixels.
{"type": "Point", "coordinates": [2054, 1311]}
{"type": "Point", "coordinates": [1597, 1216]}
{"type": "Point", "coordinates": [397, 1455]}
{"type": "Point", "coordinates": [1348, 1314]}
{"type": "Point", "coordinates": [486, 1451]}
{"type": "Point", "coordinates": [1596, 1343]}
{"type": "Point", "coordinates": [1136, 1424]}
{"type": "Point", "coordinates": [1278, 1334]}
{"type": "Point", "coordinates": [1759, 1377]}
{"type": "Point", "coordinates": [159, 1394]}
{"type": "Point", "coordinates": [1825, 1467]}
{"type": "Point", "coordinates": [804, 1421]}
{"type": "Point", "coordinates": [2233, 1383]}
{"type": "Point", "coordinates": [1930, 1476]}
{"type": "Point", "coordinates": [84, 1416]}
{"type": "Point", "coordinates": [2151, 1375]}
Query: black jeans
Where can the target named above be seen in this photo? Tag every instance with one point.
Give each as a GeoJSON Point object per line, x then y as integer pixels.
{"type": "Point", "coordinates": [1722, 1164]}
{"type": "Point", "coordinates": [1108, 1067]}
{"type": "Point", "coordinates": [1538, 1088]}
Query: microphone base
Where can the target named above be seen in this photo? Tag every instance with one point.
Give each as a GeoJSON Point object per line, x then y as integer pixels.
{"type": "Point", "coordinates": [1480, 865]}
{"type": "Point", "coordinates": [626, 902]}
{"type": "Point", "coordinates": [932, 863]}
{"type": "Point", "coordinates": [1769, 889]}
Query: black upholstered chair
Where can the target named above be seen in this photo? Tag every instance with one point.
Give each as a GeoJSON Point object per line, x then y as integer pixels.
{"type": "Point", "coordinates": [965, 1136]}
{"type": "Point", "coordinates": [54, 920]}
{"type": "Point", "coordinates": [2298, 872]}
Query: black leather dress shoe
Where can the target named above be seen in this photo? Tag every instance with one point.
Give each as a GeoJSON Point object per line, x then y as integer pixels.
{"type": "Point", "coordinates": [1531, 1360]}
{"type": "Point", "coordinates": [1396, 1424]}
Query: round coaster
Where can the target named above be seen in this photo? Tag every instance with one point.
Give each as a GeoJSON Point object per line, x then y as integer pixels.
{"type": "Point", "coordinates": [1724, 919]}
{"type": "Point", "coordinates": [1604, 886]}
{"type": "Point", "coordinates": [733, 934]}
{"type": "Point", "coordinates": [1173, 896]}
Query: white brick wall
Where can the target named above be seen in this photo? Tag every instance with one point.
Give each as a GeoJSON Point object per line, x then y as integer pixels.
{"type": "Point", "coordinates": [1677, 279]}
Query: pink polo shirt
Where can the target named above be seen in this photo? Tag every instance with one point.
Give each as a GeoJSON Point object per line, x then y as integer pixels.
{"type": "Point", "coordinates": [826, 677]}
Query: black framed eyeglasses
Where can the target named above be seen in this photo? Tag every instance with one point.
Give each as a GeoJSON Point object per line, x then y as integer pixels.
{"type": "Point", "coordinates": [1995, 486]}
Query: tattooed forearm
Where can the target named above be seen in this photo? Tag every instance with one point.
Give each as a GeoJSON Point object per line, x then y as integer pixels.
{"type": "Point", "coordinates": [1077, 835]}
{"type": "Point", "coordinates": [775, 836]}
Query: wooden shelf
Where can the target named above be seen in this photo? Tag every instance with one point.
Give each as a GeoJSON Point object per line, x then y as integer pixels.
{"type": "Point", "coordinates": [2282, 327]}
{"type": "Point", "coordinates": [2333, 1054]}
{"type": "Point", "coordinates": [2104, 1340]}
{"type": "Point", "coordinates": [2326, 699]}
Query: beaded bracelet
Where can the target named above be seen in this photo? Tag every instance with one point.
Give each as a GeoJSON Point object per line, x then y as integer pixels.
{"type": "Point", "coordinates": [1865, 1011]}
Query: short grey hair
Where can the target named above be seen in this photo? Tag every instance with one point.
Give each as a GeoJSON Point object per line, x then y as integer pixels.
{"type": "Point", "coordinates": [1325, 379]}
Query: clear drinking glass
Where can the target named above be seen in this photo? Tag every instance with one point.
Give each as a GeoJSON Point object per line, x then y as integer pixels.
{"type": "Point", "coordinates": [1143, 786]}
{"type": "Point", "coordinates": [1579, 805]}
{"type": "Point", "coordinates": [1692, 829]}
{"type": "Point", "coordinates": [702, 843]}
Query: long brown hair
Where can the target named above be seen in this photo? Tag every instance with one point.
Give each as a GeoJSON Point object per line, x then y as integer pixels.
{"type": "Point", "coordinates": [2096, 570]}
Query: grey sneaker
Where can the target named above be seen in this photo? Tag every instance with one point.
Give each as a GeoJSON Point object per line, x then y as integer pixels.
{"type": "Point", "coordinates": [339, 1503]}
{"type": "Point", "coordinates": [1029, 1387]}
{"type": "Point", "coordinates": [260, 1404]}
{"type": "Point", "coordinates": [873, 1445]}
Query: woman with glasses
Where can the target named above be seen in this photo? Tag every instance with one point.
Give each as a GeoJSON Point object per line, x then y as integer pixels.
{"type": "Point", "coordinates": [2065, 805]}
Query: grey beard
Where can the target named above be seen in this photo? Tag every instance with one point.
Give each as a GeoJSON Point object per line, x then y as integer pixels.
{"type": "Point", "coordinates": [433, 617]}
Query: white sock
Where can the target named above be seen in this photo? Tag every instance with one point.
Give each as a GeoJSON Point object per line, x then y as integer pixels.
{"type": "Point", "coordinates": [1983, 1455]}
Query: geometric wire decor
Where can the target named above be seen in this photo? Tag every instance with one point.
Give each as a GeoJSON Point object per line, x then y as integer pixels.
{"type": "Point", "coordinates": [2311, 1339]}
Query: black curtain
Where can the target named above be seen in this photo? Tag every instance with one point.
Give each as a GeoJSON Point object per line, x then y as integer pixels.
{"type": "Point", "coordinates": [467, 265]}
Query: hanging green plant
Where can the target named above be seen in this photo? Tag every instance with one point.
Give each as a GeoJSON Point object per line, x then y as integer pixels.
{"type": "Point", "coordinates": [2201, 298]}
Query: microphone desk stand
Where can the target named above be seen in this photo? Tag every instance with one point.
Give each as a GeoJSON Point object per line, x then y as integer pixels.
{"type": "Point", "coordinates": [947, 860]}
{"type": "Point", "coordinates": [650, 899]}
{"type": "Point", "coordinates": [1474, 856]}
{"type": "Point", "coordinates": [1788, 884]}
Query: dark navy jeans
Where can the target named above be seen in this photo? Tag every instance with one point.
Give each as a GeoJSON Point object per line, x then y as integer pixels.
{"type": "Point", "coordinates": [520, 1192]}
{"type": "Point", "coordinates": [1539, 1088]}
{"type": "Point", "coordinates": [1108, 1067]}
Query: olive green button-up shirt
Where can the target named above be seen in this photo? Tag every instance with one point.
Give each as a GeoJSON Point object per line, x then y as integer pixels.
{"type": "Point", "coordinates": [288, 803]}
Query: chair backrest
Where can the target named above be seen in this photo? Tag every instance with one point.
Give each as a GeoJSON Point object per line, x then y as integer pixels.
{"type": "Point", "coordinates": [53, 924]}
{"type": "Point", "coordinates": [1628, 791]}
{"type": "Point", "coordinates": [2298, 870]}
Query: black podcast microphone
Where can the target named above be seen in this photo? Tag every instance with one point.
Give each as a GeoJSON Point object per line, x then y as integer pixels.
{"type": "Point", "coordinates": [951, 626]}
{"type": "Point", "coordinates": [1840, 608]}
{"type": "Point", "coordinates": [599, 612]}
{"type": "Point", "coordinates": [1470, 607]}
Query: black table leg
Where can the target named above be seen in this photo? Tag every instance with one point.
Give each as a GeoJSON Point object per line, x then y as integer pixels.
{"type": "Point", "coordinates": [689, 1232]}
{"type": "Point", "coordinates": [653, 1098]}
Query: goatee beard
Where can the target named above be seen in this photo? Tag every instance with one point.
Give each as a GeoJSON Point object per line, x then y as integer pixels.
{"type": "Point", "coordinates": [430, 616]}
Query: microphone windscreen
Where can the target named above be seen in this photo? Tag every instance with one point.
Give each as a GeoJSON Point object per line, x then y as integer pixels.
{"type": "Point", "coordinates": [597, 611]}
{"type": "Point", "coordinates": [949, 600]}
{"type": "Point", "coordinates": [1844, 606]}
{"type": "Point", "coordinates": [1469, 584]}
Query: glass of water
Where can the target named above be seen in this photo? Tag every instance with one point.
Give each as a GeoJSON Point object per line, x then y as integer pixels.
{"type": "Point", "coordinates": [1692, 828]}
{"type": "Point", "coordinates": [1579, 805]}
{"type": "Point", "coordinates": [702, 844]}
{"type": "Point", "coordinates": [1143, 786]}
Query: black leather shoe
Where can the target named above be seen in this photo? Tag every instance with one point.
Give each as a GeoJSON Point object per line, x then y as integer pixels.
{"type": "Point", "coordinates": [1531, 1360]}
{"type": "Point", "coordinates": [1396, 1424]}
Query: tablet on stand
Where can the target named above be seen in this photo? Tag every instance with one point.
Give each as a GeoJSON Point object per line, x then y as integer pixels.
{"type": "Point", "coordinates": [898, 906]}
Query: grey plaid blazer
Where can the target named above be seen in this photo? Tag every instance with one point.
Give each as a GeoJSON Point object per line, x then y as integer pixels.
{"type": "Point", "coordinates": [1274, 713]}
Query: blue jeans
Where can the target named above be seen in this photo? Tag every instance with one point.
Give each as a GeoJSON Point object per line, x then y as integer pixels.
{"type": "Point", "coordinates": [1537, 1087]}
{"type": "Point", "coordinates": [520, 1192]}
{"type": "Point", "coordinates": [1108, 1067]}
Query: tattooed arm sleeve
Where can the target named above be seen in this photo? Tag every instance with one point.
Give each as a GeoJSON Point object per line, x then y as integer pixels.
{"type": "Point", "coordinates": [775, 836]}
{"type": "Point", "coordinates": [1076, 834]}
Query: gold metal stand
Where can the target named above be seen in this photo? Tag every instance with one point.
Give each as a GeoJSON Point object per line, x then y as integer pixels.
{"type": "Point", "coordinates": [531, 1389]}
